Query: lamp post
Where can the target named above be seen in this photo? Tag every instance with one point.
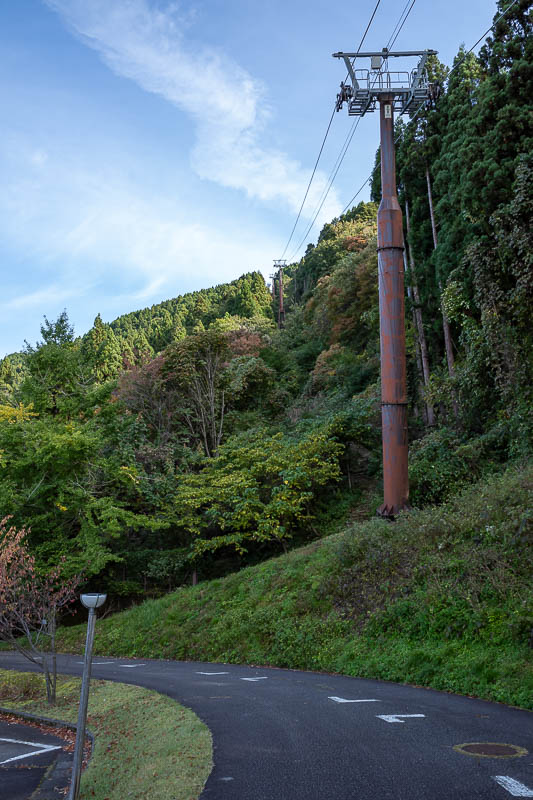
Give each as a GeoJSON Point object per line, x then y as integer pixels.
{"type": "Point", "coordinates": [91, 601]}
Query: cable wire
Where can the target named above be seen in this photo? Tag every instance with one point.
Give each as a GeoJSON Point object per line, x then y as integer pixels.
{"type": "Point", "coordinates": [325, 193]}
{"type": "Point", "coordinates": [368, 26]}
{"type": "Point", "coordinates": [347, 142]}
{"type": "Point", "coordinates": [400, 23]}
{"type": "Point", "coordinates": [324, 142]}
{"type": "Point", "coordinates": [310, 182]}
{"type": "Point", "coordinates": [470, 50]}
{"type": "Point", "coordinates": [358, 192]}
{"type": "Point", "coordinates": [421, 107]}
{"type": "Point", "coordinates": [481, 38]}
{"type": "Point", "coordinates": [396, 32]}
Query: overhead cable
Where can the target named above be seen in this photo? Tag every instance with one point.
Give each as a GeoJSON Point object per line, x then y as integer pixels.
{"type": "Point", "coordinates": [400, 23]}
{"type": "Point", "coordinates": [310, 182]}
{"type": "Point", "coordinates": [397, 29]}
{"type": "Point", "coordinates": [325, 193]}
{"type": "Point", "coordinates": [421, 107]}
{"type": "Point", "coordinates": [324, 141]}
{"type": "Point", "coordinates": [455, 66]}
{"type": "Point", "coordinates": [358, 192]}
{"type": "Point", "coordinates": [481, 38]}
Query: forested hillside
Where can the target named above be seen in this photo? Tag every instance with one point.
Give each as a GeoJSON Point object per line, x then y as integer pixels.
{"type": "Point", "coordinates": [186, 440]}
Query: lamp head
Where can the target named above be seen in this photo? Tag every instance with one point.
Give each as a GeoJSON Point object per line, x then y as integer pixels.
{"type": "Point", "coordinates": [93, 599]}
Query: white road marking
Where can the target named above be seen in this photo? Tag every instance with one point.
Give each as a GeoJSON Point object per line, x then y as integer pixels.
{"type": "Point", "coordinates": [343, 700]}
{"type": "Point", "coordinates": [96, 663]}
{"type": "Point", "coordinates": [131, 666]}
{"type": "Point", "coordinates": [226, 779]}
{"type": "Point", "coordinates": [515, 788]}
{"type": "Point", "coordinates": [212, 673]}
{"type": "Point", "coordinates": [396, 717]}
{"type": "Point", "coordinates": [43, 748]}
{"type": "Point", "coordinates": [254, 679]}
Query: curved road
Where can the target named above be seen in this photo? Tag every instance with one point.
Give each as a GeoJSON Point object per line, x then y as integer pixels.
{"type": "Point", "coordinates": [286, 735]}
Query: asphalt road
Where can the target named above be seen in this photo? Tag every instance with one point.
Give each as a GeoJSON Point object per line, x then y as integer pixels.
{"type": "Point", "coordinates": [25, 754]}
{"type": "Point", "coordinates": [288, 735]}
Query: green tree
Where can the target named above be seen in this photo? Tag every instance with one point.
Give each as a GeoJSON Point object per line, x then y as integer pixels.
{"type": "Point", "coordinates": [258, 488]}
{"type": "Point", "coordinates": [101, 349]}
{"type": "Point", "coordinates": [58, 376]}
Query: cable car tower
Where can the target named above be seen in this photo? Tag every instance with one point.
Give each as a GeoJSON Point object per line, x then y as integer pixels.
{"type": "Point", "coordinates": [401, 92]}
{"type": "Point", "coordinates": [279, 263]}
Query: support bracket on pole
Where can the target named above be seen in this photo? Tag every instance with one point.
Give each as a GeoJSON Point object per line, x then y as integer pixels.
{"type": "Point", "coordinates": [409, 89]}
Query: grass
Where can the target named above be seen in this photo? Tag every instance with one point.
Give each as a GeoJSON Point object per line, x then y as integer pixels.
{"type": "Point", "coordinates": [131, 758]}
{"type": "Point", "coordinates": [441, 598]}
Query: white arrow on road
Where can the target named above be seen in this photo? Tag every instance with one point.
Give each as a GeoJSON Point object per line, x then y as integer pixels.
{"type": "Point", "coordinates": [396, 717]}
{"type": "Point", "coordinates": [343, 700]}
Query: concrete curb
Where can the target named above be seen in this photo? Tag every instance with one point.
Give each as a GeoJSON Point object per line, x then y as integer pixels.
{"type": "Point", "coordinates": [57, 776]}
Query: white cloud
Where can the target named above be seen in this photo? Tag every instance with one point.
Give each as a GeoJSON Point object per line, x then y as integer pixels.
{"type": "Point", "coordinates": [39, 298]}
{"type": "Point", "coordinates": [229, 107]}
{"type": "Point", "coordinates": [89, 226]}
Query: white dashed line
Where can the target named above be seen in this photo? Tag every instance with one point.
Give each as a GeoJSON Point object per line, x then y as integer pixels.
{"type": "Point", "coordinates": [515, 788]}
{"type": "Point", "coordinates": [131, 666]}
{"type": "Point", "coordinates": [254, 679]}
{"type": "Point", "coordinates": [212, 673]}
{"type": "Point", "coordinates": [396, 717]}
{"type": "Point", "coordinates": [343, 700]}
{"type": "Point", "coordinates": [43, 748]}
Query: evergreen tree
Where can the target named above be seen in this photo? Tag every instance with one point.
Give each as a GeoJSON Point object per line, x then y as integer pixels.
{"type": "Point", "coordinates": [57, 374]}
{"type": "Point", "coordinates": [102, 350]}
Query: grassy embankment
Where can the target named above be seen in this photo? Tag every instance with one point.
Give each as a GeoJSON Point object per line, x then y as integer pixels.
{"type": "Point", "coordinates": [442, 598]}
{"type": "Point", "coordinates": [130, 758]}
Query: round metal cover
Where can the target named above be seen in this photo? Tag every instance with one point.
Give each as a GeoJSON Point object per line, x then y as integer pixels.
{"type": "Point", "coordinates": [490, 750]}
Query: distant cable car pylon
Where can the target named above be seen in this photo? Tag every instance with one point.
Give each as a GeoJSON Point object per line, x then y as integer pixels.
{"type": "Point", "coordinates": [280, 264]}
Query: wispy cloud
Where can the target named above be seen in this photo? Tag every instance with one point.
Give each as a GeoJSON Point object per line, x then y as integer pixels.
{"type": "Point", "coordinates": [40, 298]}
{"type": "Point", "coordinates": [98, 229]}
{"type": "Point", "coordinates": [229, 107]}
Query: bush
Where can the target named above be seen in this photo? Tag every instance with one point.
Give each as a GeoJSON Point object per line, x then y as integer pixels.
{"type": "Point", "coordinates": [437, 468]}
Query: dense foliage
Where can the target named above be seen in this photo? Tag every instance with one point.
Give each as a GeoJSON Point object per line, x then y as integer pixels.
{"type": "Point", "coordinates": [192, 438]}
{"type": "Point", "coordinates": [441, 598]}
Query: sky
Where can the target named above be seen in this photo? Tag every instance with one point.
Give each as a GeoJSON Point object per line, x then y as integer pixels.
{"type": "Point", "coordinates": [149, 148]}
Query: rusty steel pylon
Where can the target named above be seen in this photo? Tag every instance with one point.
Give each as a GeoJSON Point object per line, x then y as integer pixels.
{"type": "Point", "coordinates": [392, 325]}
{"type": "Point", "coordinates": [401, 92]}
{"type": "Point", "coordinates": [280, 263]}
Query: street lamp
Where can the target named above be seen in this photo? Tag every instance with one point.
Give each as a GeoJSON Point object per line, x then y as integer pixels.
{"type": "Point", "coordinates": [92, 601]}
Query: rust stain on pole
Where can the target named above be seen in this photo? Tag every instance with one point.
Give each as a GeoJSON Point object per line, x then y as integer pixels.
{"type": "Point", "coordinates": [281, 313]}
{"type": "Point", "coordinates": [392, 325]}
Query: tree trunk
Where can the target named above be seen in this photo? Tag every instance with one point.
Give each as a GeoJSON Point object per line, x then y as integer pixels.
{"type": "Point", "coordinates": [419, 326]}
{"type": "Point", "coordinates": [47, 679]}
{"type": "Point", "coordinates": [445, 323]}
{"type": "Point", "coordinates": [418, 357]}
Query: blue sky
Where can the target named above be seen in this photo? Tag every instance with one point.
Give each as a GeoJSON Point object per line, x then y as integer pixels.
{"type": "Point", "coordinates": [149, 148]}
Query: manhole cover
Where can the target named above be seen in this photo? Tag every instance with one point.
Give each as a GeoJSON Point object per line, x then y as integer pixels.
{"type": "Point", "coordinates": [490, 750]}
